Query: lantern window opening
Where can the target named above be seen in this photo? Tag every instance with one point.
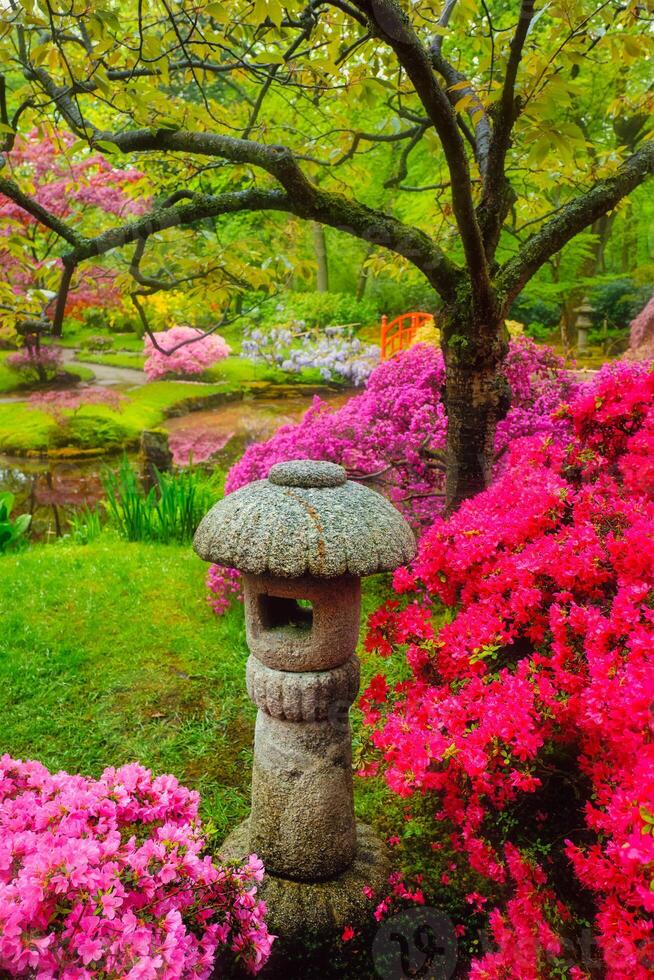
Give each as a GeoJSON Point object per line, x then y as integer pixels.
{"type": "Point", "coordinates": [281, 612]}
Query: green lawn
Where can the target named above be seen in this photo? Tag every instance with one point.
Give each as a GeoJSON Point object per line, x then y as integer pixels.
{"type": "Point", "coordinates": [109, 653]}
{"type": "Point", "coordinates": [78, 335]}
{"type": "Point", "coordinates": [8, 378]}
{"type": "Point", "coordinates": [120, 359]}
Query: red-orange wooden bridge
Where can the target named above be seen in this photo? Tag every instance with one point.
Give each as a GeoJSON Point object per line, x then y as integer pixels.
{"type": "Point", "coordinates": [400, 333]}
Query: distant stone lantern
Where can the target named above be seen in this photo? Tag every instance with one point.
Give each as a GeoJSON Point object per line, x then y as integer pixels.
{"type": "Point", "coordinates": [583, 323]}
{"type": "Point", "coordinates": [303, 538]}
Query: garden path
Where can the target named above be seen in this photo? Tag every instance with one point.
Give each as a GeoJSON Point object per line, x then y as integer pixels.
{"type": "Point", "coordinates": [105, 374]}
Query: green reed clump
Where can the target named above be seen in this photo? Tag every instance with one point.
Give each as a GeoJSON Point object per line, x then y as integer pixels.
{"type": "Point", "coordinates": [85, 524]}
{"type": "Point", "coordinates": [168, 513]}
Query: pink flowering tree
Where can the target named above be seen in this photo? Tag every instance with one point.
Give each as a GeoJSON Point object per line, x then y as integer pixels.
{"type": "Point", "coordinates": [82, 187]}
{"type": "Point", "coordinates": [110, 877]}
{"type": "Point", "coordinates": [526, 622]}
{"type": "Point", "coordinates": [182, 351]}
{"type": "Point", "coordinates": [35, 363]}
{"type": "Point", "coordinates": [63, 403]}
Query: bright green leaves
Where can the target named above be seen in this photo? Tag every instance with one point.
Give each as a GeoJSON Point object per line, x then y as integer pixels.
{"type": "Point", "coordinates": [11, 531]}
{"type": "Point", "coordinates": [269, 10]}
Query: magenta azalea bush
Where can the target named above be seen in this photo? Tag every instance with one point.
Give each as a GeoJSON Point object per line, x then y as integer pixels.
{"type": "Point", "coordinates": [185, 351]}
{"type": "Point", "coordinates": [528, 718]}
{"type": "Point", "coordinates": [109, 877]}
{"type": "Point", "coordinates": [393, 434]}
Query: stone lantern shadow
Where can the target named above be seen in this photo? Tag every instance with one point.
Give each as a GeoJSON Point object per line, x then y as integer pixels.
{"type": "Point", "coordinates": [303, 539]}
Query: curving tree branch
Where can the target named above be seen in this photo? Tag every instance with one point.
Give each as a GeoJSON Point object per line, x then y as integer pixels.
{"type": "Point", "coordinates": [390, 23]}
{"type": "Point", "coordinates": [11, 190]}
{"type": "Point", "coordinates": [573, 218]}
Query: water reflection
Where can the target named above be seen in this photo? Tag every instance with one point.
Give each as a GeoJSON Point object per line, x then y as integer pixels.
{"type": "Point", "coordinates": [51, 488]}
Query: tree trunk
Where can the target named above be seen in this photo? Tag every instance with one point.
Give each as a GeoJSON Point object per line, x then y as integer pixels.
{"type": "Point", "coordinates": [320, 246]}
{"type": "Point", "coordinates": [477, 397]}
{"type": "Point", "coordinates": [362, 278]}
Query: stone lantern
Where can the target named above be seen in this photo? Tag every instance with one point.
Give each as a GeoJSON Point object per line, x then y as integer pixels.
{"type": "Point", "coordinates": [303, 538]}
{"type": "Point", "coordinates": [583, 323]}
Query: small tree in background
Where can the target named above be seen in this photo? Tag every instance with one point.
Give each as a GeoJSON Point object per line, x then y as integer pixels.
{"type": "Point", "coordinates": [79, 187]}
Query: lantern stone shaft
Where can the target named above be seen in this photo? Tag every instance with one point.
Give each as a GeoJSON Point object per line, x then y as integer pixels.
{"type": "Point", "coordinates": [303, 539]}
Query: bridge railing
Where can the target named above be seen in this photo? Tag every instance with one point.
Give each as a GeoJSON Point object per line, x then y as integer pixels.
{"type": "Point", "coordinates": [400, 333]}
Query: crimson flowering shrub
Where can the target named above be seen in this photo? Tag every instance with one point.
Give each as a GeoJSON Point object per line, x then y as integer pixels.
{"type": "Point", "coordinates": [184, 350]}
{"type": "Point", "coordinates": [529, 713]}
{"type": "Point", "coordinates": [107, 878]}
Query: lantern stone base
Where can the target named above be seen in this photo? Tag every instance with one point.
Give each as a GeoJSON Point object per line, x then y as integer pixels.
{"type": "Point", "coordinates": [301, 912]}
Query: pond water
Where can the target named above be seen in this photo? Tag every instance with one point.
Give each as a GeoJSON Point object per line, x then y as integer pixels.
{"type": "Point", "coordinates": [50, 489]}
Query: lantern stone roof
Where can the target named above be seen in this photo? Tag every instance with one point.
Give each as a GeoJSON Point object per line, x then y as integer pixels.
{"type": "Point", "coordinates": [306, 518]}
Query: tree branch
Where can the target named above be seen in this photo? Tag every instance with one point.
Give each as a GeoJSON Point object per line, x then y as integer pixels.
{"type": "Point", "coordinates": [11, 190]}
{"type": "Point", "coordinates": [62, 298]}
{"type": "Point", "coordinates": [497, 198]}
{"type": "Point", "coordinates": [302, 198]}
{"type": "Point", "coordinates": [580, 213]}
{"type": "Point", "coordinates": [389, 22]}
{"type": "Point", "coordinates": [476, 111]}
{"type": "Point", "coordinates": [313, 204]}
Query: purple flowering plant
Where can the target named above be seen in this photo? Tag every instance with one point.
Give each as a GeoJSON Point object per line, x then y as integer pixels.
{"type": "Point", "coordinates": [335, 352]}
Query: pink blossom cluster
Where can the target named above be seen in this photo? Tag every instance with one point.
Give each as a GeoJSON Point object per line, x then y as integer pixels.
{"type": "Point", "coordinates": [183, 350]}
{"type": "Point", "coordinates": [223, 585]}
{"type": "Point", "coordinates": [59, 402]}
{"type": "Point", "coordinates": [542, 668]}
{"type": "Point", "coordinates": [108, 878]}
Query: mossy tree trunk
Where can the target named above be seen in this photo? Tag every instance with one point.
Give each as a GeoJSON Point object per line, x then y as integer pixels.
{"type": "Point", "coordinates": [477, 397]}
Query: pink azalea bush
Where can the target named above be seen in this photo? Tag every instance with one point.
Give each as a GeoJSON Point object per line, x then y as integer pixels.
{"type": "Point", "coordinates": [527, 623]}
{"type": "Point", "coordinates": [109, 878]}
{"type": "Point", "coordinates": [393, 434]}
{"type": "Point", "coordinates": [184, 351]}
